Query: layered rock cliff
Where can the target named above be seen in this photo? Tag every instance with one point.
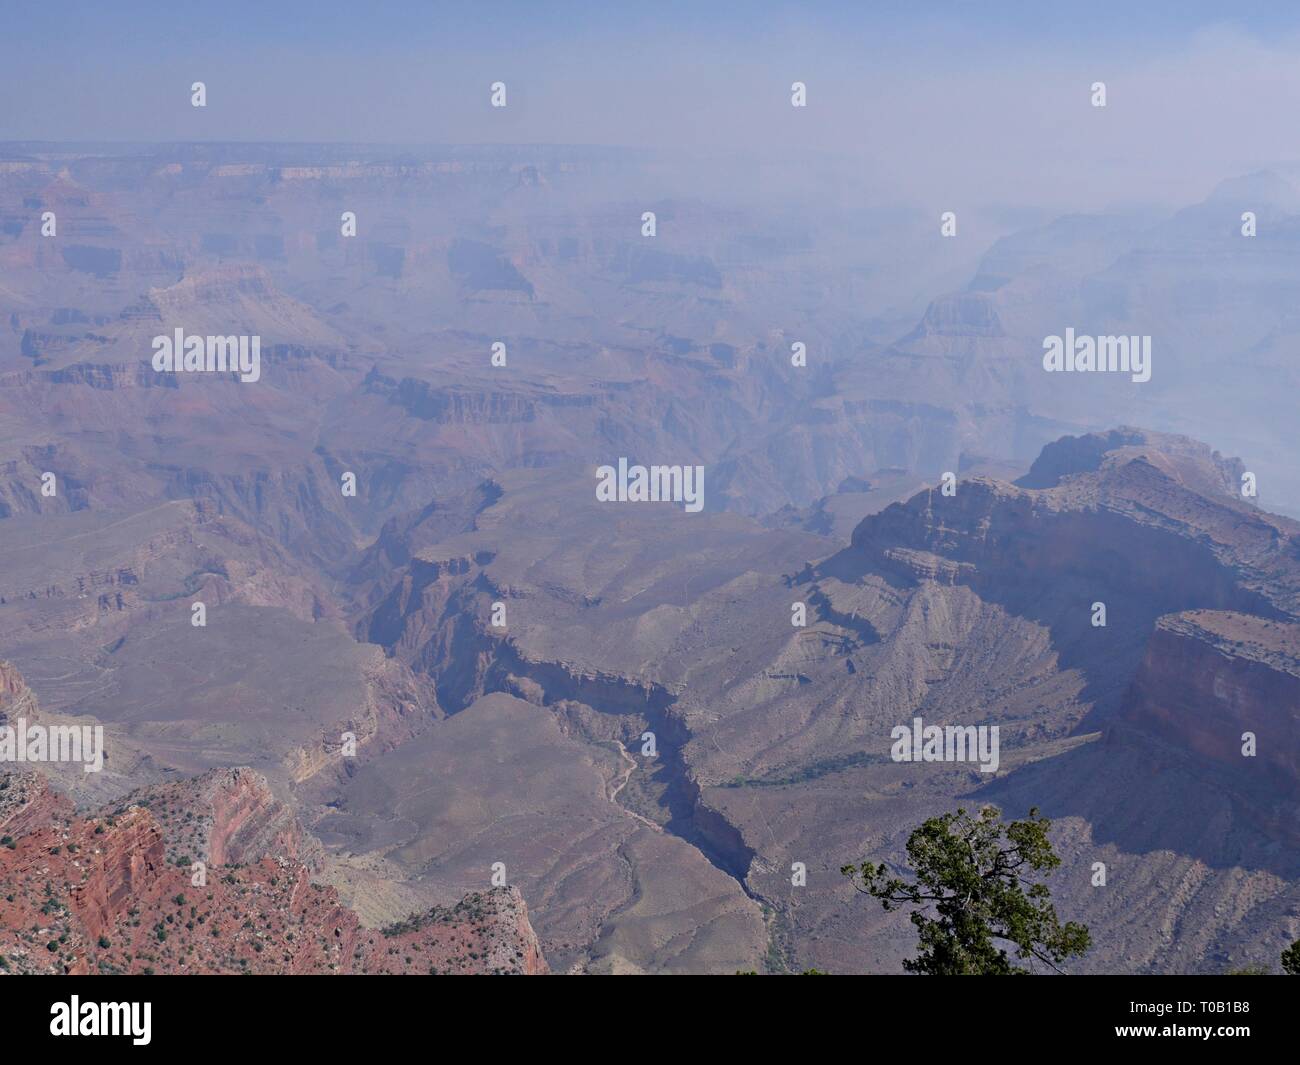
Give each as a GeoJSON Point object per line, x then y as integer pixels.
{"type": "Point", "coordinates": [1226, 686]}
{"type": "Point", "coordinates": [207, 876]}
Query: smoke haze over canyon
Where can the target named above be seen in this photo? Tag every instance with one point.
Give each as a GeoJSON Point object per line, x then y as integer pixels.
{"type": "Point", "coordinates": [386, 680]}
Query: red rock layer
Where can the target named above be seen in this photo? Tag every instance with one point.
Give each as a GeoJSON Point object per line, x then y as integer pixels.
{"type": "Point", "coordinates": [98, 894]}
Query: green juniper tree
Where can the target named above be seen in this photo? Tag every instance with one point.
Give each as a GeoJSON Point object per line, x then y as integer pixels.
{"type": "Point", "coordinates": [1291, 959]}
{"type": "Point", "coordinates": [976, 896]}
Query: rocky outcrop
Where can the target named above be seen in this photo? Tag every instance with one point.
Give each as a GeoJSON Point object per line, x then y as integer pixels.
{"type": "Point", "coordinates": [1154, 527]}
{"type": "Point", "coordinates": [107, 892]}
{"type": "Point", "coordinates": [1133, 522]}
{"type": "Point", "coordinates": [486, 931]}
{"type": "Point", "coordinates": [225, 817]}
{"type": "Point", "coordinates": [397, 706]}
{"type": "Point", "coordinates": [962, 314]}
{"type": "Point", "coordinates": [125, 862]}
{"type": "Point", "coordinates": [16, 698]}
{"type": "Point", "coordinates": [27, 801]}
{"type": "Point", "coordinates": [1190, 461]}
{"type": "Point", "coordinates": [1226, 687]}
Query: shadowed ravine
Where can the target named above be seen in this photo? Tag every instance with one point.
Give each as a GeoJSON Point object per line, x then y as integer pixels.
{"type": "Point", "coordinates": [688, 819]}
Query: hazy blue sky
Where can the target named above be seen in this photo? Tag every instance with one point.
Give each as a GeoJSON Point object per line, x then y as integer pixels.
{"type": "Point", "coordinates": [983, 98]}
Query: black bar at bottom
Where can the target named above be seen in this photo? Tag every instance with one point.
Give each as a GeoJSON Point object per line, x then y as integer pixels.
{"type": "Point", "coordinates": [345, 1014]}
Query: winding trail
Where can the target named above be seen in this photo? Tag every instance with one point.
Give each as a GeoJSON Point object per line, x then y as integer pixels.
{"type": "Point", "coordinates": [629, 768]}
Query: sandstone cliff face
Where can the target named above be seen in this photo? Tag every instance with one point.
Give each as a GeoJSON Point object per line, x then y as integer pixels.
{"type": "Point", "coordinates": [1208, 679]}
{"type": "Point", "coordinates": [16, 699]}
{"type": "Point", "coordinates": [27, 802]}
{"type": "Point", "coordinates": [226, 817]}
{"type": "Point", "coordinates": [71, 879]}
{"type": "Point", "coordinates": [125, 863]}
{"type": "Point", "coordinates": [122, 890]}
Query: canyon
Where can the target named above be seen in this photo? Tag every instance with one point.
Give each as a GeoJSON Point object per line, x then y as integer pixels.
{"type": "Point", "coordinates": [401, 696]}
